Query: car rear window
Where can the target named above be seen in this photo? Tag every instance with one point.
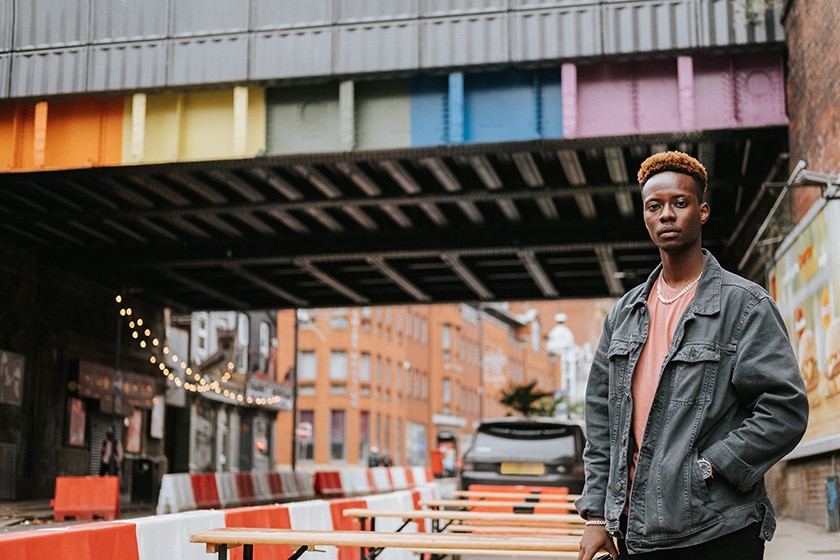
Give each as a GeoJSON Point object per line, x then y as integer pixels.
{"type": "Point", "coordinates": [541, 442]}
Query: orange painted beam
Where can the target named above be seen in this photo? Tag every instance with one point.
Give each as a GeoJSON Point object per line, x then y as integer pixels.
{"type": "Point", "coordinates": [61, 134]}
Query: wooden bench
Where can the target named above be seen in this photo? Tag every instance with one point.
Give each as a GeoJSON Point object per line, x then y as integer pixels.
{"type": "Point", "coordinates": [515, 530]}
{"type": "Point", "coordinates": [520, 496]}
{"type": "Point", "coordinates": [442, 519]}
{"type": "Point", "coordinates": [469, 504]}
{"type": "Point", "coordinates": [372, 543]}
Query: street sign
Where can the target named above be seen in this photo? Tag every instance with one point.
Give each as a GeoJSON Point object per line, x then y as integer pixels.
{"type": "Point", "coordinates": [304, 431]}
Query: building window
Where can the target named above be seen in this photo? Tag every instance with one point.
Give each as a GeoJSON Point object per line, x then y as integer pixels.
{"type": "Point", "coordinates": [338, 365]}
{"type": "Point", "coordinates": [446, 340]}
{"type": "Point", "coordinates": [337, 435]}
{"type": "Point", "coordinates": [200, 333]}
{"type": "Point", "coordinates": [243, 337]}
{"type": "Point", "coordinates": [264, 346]}
{"type": "Point", "coordinates": [364, 368]}
{"type": "Point", "coordinates": [306, 449]}
{"type": "Point", "coordinates": [364, 433]}
{"type": "Point", "coordinates": [446, 390]}
{"type": "Point", "coordinates": [338, 319]}
{"type": "Point", "coordinates": [307, 367]}
{"type": "Point", "coordinates": [387, 373]}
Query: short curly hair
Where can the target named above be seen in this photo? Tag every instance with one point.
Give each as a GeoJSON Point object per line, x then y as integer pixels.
{"type": "Point", "coordinates": [674, 161]}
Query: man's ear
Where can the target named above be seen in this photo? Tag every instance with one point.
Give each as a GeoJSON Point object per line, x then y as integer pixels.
{"type": "Point", "coordinates": [705, 212]}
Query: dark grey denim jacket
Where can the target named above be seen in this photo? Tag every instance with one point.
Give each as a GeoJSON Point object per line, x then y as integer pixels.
{"type": "Point", "coordinates": [729, 390]}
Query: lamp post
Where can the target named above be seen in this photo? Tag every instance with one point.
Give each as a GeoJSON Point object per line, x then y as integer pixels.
{"type": "Point", "coordinates": [295, 391]}
{"type": "Point", "coordinates": [561, 342]}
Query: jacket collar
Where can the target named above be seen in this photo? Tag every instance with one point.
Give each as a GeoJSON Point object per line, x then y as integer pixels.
{"type": "Point", "coordinates": [706, 297]}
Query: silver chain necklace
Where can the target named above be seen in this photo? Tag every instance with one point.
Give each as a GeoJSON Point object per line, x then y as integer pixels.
{"type": "Point", "coordinates": [679, 295]}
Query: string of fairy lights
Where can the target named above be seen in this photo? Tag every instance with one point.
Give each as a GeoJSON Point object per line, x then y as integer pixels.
{"type": "Point", "coordinates": [193, 381]}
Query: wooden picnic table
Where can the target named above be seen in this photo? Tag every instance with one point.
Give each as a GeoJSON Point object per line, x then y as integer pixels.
{"type": "Point", "coordinates": [372, 543]}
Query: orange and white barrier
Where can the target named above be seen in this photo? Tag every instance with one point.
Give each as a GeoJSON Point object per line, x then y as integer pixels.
{"type": "Point", "coordinates": [399, 479]}
{"type": "Point", "coordinates": [176, 494]}
{"type": "Point", "coordinates": [86, 497]}
{"type": "Point", "coordinates": [381, 479]}
{"type": "Point", "coordinates": [313, 514]}
{"type": "Point", "coordinates": [167, 535]}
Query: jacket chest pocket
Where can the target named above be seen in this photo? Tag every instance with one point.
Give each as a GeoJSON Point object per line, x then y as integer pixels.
{"type": "Point", "coordinates": [619, 358]}
{"type": "Point", "coordinates": [692, 371]}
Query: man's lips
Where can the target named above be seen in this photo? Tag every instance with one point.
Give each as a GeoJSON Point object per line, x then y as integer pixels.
{"type": "Point", "coordinates": [669, 232]}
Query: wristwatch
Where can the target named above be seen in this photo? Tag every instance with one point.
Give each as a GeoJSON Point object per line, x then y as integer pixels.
{"type": "Point", "coordinates": [705, 468]}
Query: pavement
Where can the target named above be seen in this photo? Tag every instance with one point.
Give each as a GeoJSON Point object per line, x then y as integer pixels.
{"type": "Point", "coordinates": [794, 539]}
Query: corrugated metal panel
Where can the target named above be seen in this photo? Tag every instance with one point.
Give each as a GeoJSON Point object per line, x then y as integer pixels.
{"type": "Point", "coordinates": [556, 34]}
{"type": "Point", "coordinates": [127, 66]}
{"type": "Point", "coordinates": [118, 20]}
{"type": "Point", "coordinates": [303, 119]}
{"type": "Point", "coordinates": [291, 54]}
{"type": "Point", "coordinates": [43, 24]}
{"type": "Point", "coordinates": [5, 70]}
{"type": "Point", "coordinates": [271, 14]}
{"type": "Point", "coordinates": [538, 4]}
{"type": "Point", "coordinates": [428, 110]}
{"type": "Point", "coordinates": [208, 60]}
{"type": "Point", "coordinates": [371, 10]}
{"type": "Point", "coordinates": [383, 114]}
{"type": "Point", "coordinates": [200, 17]}
{"type": "Point", "coordinates": [377, 47]}
{"type": "Point", "coordinates": [464, 41]}
{"type": "Point", "coordinates": [6, 19]}
{"type": "Point", "coordinates": [51, 72]}
{"type": "Point", "coordinates": [724, 23]}
{"type": "Point", "coordinates": [456, 7]}
{"type": "Point", "coordinates": [649, 25]}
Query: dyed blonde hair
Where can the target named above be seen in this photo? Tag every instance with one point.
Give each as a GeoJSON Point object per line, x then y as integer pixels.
{"type": "Point", "coordinates": [678, 162]}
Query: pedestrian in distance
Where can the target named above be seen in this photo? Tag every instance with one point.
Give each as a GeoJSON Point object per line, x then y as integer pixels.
{"type": "Point", "coordinates": [110, 455]}
{"type": "Point", "coordinates": [693, 394]}
{"type": "Point", "coordinates": [373, 457]}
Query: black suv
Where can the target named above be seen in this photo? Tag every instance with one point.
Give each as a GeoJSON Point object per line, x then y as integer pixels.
{"type": "Point", "coordinates": [525, 451]}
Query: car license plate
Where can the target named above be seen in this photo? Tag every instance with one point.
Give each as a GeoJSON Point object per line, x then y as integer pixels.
{"type": "Point", "coordinates": [523, 468]}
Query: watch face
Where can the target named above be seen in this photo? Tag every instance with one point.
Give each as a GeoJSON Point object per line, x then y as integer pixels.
{"type": "Point", "coordinates": [705, 468]}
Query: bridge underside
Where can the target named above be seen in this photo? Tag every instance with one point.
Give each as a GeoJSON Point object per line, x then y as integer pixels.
{"type": "Point", "coordinates": [526, 220]}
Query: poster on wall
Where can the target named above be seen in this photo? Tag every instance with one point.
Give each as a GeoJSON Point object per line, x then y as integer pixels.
{"type": "Point", "coordinates": [77, 422]}
{"type": "Point", "coordinates": [133, 440]}
{"type": "Point", "coordinates": [11, 378]}
{"type": "Point", "coordinates": [808, 295]}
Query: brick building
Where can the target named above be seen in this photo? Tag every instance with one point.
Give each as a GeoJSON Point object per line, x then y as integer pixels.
{"type": "Point", "coordinates": [803, 265]}
{"type": "Point", "coordinates": [403, 378]}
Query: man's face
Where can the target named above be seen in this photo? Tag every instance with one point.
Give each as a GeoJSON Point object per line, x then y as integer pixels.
{"type": "Point", "coordinates": [673, 213]}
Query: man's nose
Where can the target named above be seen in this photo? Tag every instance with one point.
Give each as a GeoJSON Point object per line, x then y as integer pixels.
{"type": "Point", "coordinates": [667, 213]}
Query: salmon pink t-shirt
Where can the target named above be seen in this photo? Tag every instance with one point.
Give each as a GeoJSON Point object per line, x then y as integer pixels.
{"type": "Point", "coordinates": [663, 322]}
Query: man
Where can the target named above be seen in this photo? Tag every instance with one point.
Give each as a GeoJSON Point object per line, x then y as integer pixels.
{"type": "Point", "coordinates": [694, 393]}
{"type": "Point", "coordinates": [110, 455]}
